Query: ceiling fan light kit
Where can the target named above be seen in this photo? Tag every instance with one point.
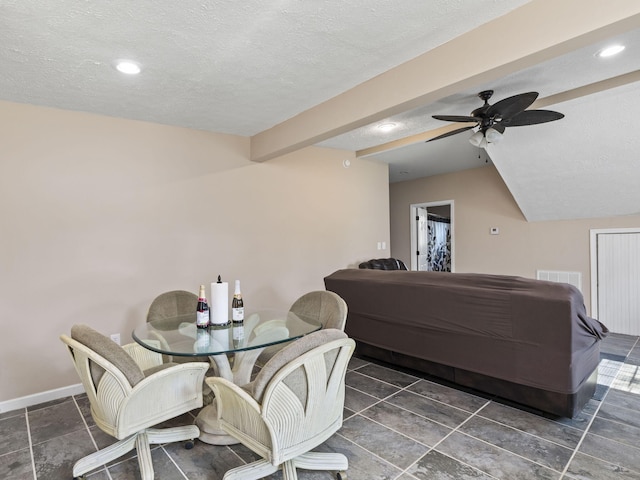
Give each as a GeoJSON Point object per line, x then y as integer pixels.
{"type": "Point", "coordinates": [491, 120]}
{"type": "Point", "coordinates": [477, 139]}
{"type": "Point", "coordinates": [492, 135]}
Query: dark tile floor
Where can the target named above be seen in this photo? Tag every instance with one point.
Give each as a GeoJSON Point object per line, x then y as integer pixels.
{"type": "Point", "coordinates": [398, 426]}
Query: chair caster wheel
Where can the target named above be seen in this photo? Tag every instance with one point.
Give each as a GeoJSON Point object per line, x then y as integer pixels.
{"type": "Point", "coordinates": [188, 445]}
{"type": "Point", "coordinates": [81, 477]}
{"type": "Point", "coordinates": [341, 476]}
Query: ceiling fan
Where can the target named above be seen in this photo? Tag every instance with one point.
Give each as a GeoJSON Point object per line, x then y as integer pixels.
{"type": "Point", "coordinates": [492, 120]}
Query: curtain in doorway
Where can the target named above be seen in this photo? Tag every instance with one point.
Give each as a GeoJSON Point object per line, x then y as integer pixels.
{"type": "Point", "coordinates": [439, 251]}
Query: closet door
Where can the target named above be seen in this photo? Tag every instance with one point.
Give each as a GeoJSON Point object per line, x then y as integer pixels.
{"type": "Point", "coordinates": [618, 281]}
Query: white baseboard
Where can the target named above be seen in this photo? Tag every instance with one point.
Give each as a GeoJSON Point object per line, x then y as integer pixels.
{"type": "Point", "coordinates": [36, 398]}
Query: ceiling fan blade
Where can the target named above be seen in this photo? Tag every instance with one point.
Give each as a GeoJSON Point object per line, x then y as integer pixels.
{"type": "Point", "coordinates": [456, 118]}
{"type": "Point", "coordinates": [532, 117]}
{"type": "Point", "coordinates": [511, 106]}
{"type": "Point", "coordinates": [453, 132]}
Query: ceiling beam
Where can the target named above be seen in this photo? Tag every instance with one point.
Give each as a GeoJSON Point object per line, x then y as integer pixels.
{"type": "Point", "coordinates": [572, 94]}
{"type": "Point", "coordinates": [589, 89]}
{"type": "Point", "coordinates": [410, 140]}
{"type": "Point", "coordinates": [538, 31]}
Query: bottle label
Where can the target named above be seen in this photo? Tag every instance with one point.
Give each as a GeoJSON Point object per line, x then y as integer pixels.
{"type": "Point", "coordinates": [202, 319]}
{"type": "Point", "coordinates": [237, 314]}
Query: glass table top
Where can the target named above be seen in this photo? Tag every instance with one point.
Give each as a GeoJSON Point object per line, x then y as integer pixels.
{"type": "Point", "coordinates": [179, 335]}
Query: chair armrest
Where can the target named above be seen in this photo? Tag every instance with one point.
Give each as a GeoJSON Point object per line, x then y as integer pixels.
{"type": "Point", "coordinates": [228, 389]}
{"type": "Point", "coordinates": [274, 333]}
{"type": "Point", "coordinates": [239, 414]}
{"type": "Point", "coordinates": [270, 324]}
{"type": "Point", "coordinates": [250, 323]}
{"type": "Point", "coordinates": [165, 394]}
{"type": "Point", "coordinates": [144, 357]}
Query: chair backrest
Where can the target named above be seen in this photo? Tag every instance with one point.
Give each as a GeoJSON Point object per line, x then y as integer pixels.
{"type": "Point", "coordinates": [107, 355]}
{"type": "Point", "coordinates": [172, 304]}
{"type": "Point", "coordinates": [301, 390]}
{"type": "Point", "coordinates": [322, 306]}
{"type": "Point", "coordinates": [104, 368]}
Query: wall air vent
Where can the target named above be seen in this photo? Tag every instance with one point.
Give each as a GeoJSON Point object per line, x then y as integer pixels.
{"type": "Point", "coordinates": [572, 278]}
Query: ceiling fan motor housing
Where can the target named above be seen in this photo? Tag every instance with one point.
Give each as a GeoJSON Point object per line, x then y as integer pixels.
{"type": "Point", "coordinates": [485, 121]}
{"type": "Point", "coordinates": [485, 95]}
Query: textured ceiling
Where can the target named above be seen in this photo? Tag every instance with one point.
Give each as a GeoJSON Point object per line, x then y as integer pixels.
{"type": "Point", "coordinates": [247, 67]}
{"type": "Point", "coordinates": [228, 66]}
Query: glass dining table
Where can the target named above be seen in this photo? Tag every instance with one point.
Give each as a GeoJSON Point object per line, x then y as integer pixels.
{"type": "Point", "coordinates": [232, 350]}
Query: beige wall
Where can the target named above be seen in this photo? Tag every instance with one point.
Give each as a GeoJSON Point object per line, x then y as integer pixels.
{"type": "Point", "coordinates": [99, 215]}
{"type": "Point", "coordinates": [481, 201]}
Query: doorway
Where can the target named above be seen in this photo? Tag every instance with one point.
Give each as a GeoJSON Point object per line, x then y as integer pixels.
{"type": "Point", "coordinates": [432, 236]}
{"type": "Point", "coordinates": [615, 279]}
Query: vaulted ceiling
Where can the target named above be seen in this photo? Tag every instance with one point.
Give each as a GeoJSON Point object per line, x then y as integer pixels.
{"type": "Point", "coordinates": [290, 74]}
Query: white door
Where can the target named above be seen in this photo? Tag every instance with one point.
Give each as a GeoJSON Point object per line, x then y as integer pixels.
{"type": "Point", "coordinates": [422, 239]}
{"type": "Point", "coordinates": [618, 280]}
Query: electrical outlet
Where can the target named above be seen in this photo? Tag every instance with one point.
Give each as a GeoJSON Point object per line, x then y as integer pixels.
{"type": "Point", "coordinates": [116, 338]}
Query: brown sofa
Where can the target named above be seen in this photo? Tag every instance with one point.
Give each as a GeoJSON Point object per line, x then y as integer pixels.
{"type": "Point", "coordinates": [524, 340]}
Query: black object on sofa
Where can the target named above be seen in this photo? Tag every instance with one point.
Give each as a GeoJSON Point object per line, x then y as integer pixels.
{"type": "Point", "coordinates": [384, 264]}
{"type": "Point", "coordinates": [524, 340]}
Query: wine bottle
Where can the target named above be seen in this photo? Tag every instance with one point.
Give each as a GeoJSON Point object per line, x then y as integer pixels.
{"type": "Point", "coordinates": [237, 316]}
{"type": "Point", "coordinates": [202, 310]}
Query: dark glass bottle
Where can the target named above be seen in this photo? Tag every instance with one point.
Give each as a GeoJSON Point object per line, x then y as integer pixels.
{"type": "Point", "coordinates": [237, 316]}
{"type": "Point", "coordinates": [202, 310]}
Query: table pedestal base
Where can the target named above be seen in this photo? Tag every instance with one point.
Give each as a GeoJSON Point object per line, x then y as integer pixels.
{"type": "Point", "coordinates": [210, 432]}
{"type": "Point", "coordinates": [207, 420]}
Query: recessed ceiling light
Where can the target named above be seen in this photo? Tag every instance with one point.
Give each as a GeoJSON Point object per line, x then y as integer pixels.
{"type": "Point", "coordinates": [386, 127]}
{"type": "Point", "coordinates": [610, 51]}
{"type": "Point", "coordinates": [128, 67]}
